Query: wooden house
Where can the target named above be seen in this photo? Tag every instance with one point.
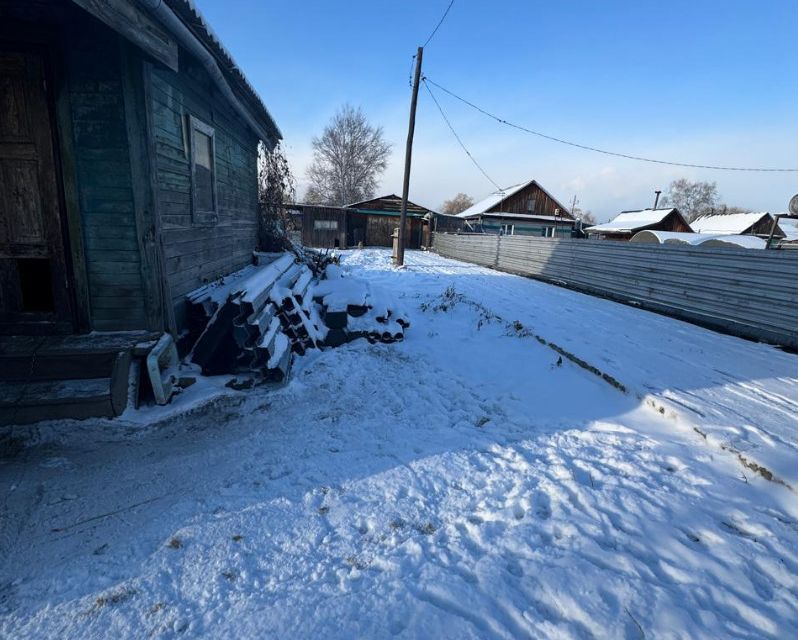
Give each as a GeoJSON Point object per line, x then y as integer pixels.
{"type": "Point", "coordinates": [128, 156]}
{"type": "Point", "coordinates": [523, 209]}
{"type": "Point", "coordinates": [370, 222]}
{"type": "Point", "coordinates": [743, 224]}
{"type": "Point", "coordinates": [628, 223]}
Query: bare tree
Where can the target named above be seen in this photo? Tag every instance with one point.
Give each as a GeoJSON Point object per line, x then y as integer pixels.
{"type": "Point", "coordinates": [585, 215]}
{"type": "Point", "coordinates": [456, 205]}
{"type": "Point", "coordinates": [276, 188]}
{"type": "Point", "coordinates": [348, 159]}
{"type": "Point", "coordinates": [727, 210]}
{"type": "Point", "coordinates": [692, 199]}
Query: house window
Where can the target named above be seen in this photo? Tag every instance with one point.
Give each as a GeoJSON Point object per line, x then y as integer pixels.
{"type": "Point", "coordinates": [508, 229]}
{"type": "Point", "coordinates": [548, 232]}
{"type": "Point", "coordinates": [203, 172]}
{"type": "Point", "coordinates": [530, 205]}
{"type": "Point", "coordinates": [325, 225]}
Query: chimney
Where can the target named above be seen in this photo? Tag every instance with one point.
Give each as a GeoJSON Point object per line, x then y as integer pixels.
{"type": "Point", "coordinates": [656, 200]}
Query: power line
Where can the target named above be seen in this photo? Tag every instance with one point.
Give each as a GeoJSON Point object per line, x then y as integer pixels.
{"type": "Point", "coordinates": [440, 22]}
{"type": "Point", "coordinates": [603, 151]}
{"type": "Point", "coordinates": [454, 133]}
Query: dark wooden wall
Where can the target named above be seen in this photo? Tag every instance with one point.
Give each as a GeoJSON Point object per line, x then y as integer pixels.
{"type": "Point", "coordinates": [518, 203]}
{"type": "Point", "coordinates": [323, 238]}
{"type": "Point", "coordinates": [671, 222]}
{"type": "Point", "coordinates": [379, 231]}
{"type": "Point", "coordinates": [196, 253]}
{"type": "Point", "coordinates": [103, 175]}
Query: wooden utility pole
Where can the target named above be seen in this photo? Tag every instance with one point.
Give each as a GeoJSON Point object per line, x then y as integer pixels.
{"type": "Point", "coordinates": [400, 254]}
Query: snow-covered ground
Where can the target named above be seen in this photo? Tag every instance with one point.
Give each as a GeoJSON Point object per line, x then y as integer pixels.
{"type": "Point", "coordinates": [463, 483]}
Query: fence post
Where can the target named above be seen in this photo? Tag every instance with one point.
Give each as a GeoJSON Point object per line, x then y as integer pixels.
{"type": "Point", "coordinates": [498, 248]}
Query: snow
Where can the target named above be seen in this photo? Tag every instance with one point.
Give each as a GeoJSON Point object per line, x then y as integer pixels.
{"type": "Point", "coordinates": [491, 201]}
{"type": "Point", "coordinates": [467, 482]}
{"type": "Point", "coordinates": [732, 224]}
{"type": "Point", "coordinates": [790, 228]}
{"type": "Point", "coordinates": [735, 241]}
{"type": "Point", "coordinates": [631, 220]}
{"type": "Point", "coordinates": [698, 239]}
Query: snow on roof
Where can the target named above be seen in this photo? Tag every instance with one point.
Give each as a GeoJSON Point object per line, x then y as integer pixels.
{"type": "Point", "coordinates": [630, 221]}
{"type": "Point", "coordinates": [733, 223]}
{"type": "Point", "coordinates": [735, 241]}
{"type": "Point", "coordinates": [649, 236]}
{"type": "Point", "coordinates": [527, 216]}
{"type": "Point", "coordinates": [698, 239]}
{"type": "Point", "coordinates": [492, 200]}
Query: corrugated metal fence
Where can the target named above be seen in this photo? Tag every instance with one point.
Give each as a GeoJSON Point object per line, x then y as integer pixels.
{"type": "Point", "coordinates": [749, 293]}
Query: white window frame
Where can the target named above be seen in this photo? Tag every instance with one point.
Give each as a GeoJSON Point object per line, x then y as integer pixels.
{"type": "Point", "coordinates": [200, 216]}
{"type": "Point", "coordinates": [548, 232]}
{"type": "Point", "coordinates": [508, 229]}
{"type": "Point", "coordinates": [325, 225]}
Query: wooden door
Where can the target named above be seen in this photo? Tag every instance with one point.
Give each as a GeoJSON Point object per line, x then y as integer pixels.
{"type": "Point", "coordinates": [34, 295]}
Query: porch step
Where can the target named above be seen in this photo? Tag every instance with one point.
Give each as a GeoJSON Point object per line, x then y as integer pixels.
{"type": "Point", "coordinates": [23, 403]}
{"type": "Point", "coordinates": [65, 377]}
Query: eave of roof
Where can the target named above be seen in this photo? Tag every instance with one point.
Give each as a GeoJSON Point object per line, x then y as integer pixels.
{"type": "Point", "coordinates": [188, 13]}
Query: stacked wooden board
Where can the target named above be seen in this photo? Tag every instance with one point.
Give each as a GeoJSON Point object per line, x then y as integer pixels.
{"type": "Point", "coordinates": [257, 319]}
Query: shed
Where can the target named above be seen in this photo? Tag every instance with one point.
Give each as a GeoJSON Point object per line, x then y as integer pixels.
{"type": "Point", "coordinates": [744, 224]}
{"type": "Point", "coordinates": [628, 223]}
{"type": "Point", "coordinates": [372, 221]}
{"type": "Point", "coordinates": [128, 145]}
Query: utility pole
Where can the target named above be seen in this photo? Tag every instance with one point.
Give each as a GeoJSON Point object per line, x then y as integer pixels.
{"type": "Point", "coordinates": [400, 254]}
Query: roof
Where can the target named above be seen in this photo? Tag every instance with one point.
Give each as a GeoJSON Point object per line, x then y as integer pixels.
{"type": "Point", "coordinates": [527, 216]}
{"type": "Point", "coordinates": [497, 197]}
{"type": "Point", "coordinates": [390, 202]}
{"type": "Point", "coordinates": [697, 239]}
{"type": "Point", "coordinates": [733, 223]}
{"type": "Point", "coordinates": [631, 221]}
{"type": "Point", "coordinates": [188, 13]}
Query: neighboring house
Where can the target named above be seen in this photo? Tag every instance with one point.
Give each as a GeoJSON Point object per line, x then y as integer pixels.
{"type": "Point", "coordinates": [128, 147]}
{"type": "Point", "coordinates": [628, 223]}
{"type": "Point", "coordinates": [370, 222]}
{"type": "Point", "coordinates": [523, 209]}
{"type": "Point", "coordinates": [741, 224]}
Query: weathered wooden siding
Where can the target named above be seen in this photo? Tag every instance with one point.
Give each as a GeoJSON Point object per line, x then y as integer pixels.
{"type": "Point", "coordinates": [379, 231]}
{"type": "Point", "coordinates": [312, 236]}
{"type": "Point", "coordinates": [745, 292]}
{"type": "Point", "coordinates": [102, 163]}
{"type": "Point", "coordinates": [543, 204]}
{"type": "Point", "coordinates": [197, 253]}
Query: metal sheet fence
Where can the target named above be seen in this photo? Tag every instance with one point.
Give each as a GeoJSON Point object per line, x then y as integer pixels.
{"type": "Point", "coordinates": [745, 292]}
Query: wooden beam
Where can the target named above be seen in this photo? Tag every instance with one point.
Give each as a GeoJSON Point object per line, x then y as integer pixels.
{"type": "Point", "coordinates": [142, 176]}
{"type": "Point", "coordinates": [127, 19]}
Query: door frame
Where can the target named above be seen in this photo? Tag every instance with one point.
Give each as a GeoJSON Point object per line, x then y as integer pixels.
{"type": "Point", "coordinates": [48, 44]}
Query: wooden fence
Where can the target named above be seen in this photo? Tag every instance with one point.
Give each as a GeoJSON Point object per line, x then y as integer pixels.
{"type": "Point", "coordinates": [745, 292]}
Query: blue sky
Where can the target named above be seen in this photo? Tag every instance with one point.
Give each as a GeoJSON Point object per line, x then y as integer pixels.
{"type": "Point", "coordinates": [702, 82]}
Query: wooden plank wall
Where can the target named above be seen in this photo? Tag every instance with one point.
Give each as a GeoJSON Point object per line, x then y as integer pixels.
{"type": "Point", "coordinates": [196, 253]}
{"type": "Point", "coordinates": [323, 238]}
{"type": "Point", "coordinates": [517, 203]}
{"type": "Point", "coordinates": [379, 231]}
{"type": "Point", "coordinates": [102, 163]}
